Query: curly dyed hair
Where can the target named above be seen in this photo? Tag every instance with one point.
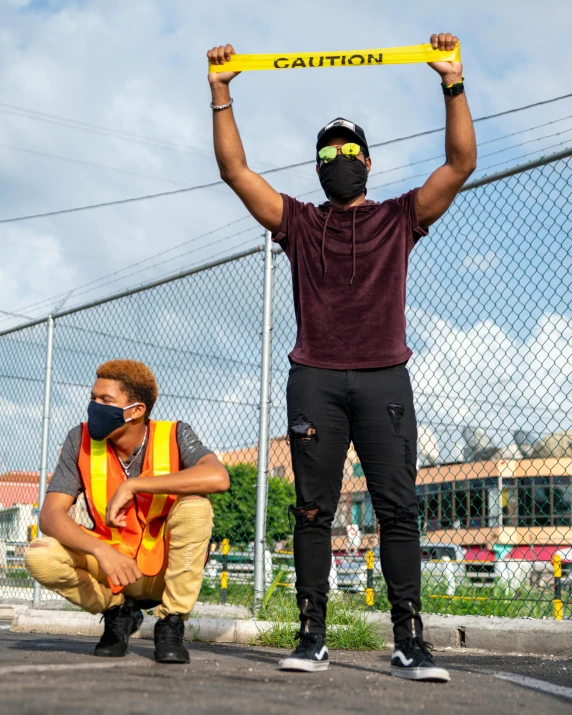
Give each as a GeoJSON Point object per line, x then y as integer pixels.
{"type": "Point", "coordinates": [136, 380]}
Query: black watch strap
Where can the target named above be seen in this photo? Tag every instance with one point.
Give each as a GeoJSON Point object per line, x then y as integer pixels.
{"type": "Point", "coordinates": [452, 90]}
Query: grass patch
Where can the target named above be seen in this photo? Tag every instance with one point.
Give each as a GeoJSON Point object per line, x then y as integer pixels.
{"type": "Point", "coordinates": [525, 602]}
{"type": "Point", "coordinates": [236, 595]}
{"type": "Point", "coordinates": [347, 628]}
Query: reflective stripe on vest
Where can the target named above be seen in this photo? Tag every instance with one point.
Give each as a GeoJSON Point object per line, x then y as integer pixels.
{"type": "Point", "coordinates": [161, 466]}
{"type": "Point", "coordinates": [143, 537]}
{"type": "Point", "coordinates": [98, 460]}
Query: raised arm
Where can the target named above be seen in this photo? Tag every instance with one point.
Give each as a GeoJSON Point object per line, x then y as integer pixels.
{"type": "Point", "coordinates": [261, 200]}
{"type": "Point", "coordinates": [440, 189]}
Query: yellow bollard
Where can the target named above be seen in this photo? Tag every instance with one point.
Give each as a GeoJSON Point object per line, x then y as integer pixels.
{"type": "Point", "coordinates": [557, 601]}
{"type": "Point", "coordinates": [225, 548]}
{"type": "Point", "coordinates": [369, 594]}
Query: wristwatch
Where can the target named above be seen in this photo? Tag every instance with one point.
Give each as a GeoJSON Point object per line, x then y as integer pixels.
{"type": "Point", "coordinates": [452, 90]}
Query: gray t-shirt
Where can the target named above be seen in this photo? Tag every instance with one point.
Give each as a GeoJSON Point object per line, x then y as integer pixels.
{"type": "Point", "coordinates": [67, 479]}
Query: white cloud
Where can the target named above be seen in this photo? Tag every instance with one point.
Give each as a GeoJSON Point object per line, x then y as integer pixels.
{"type": "Point", "coordinates": [478, 262]}
{"type": "Point", "coordinates": [140, 67]}
{"type": "Point", "coordinates": [483, 377]}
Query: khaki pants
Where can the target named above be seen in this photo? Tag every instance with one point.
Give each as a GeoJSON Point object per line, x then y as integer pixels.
{"type": "Point", "coordinates": [78, 578]}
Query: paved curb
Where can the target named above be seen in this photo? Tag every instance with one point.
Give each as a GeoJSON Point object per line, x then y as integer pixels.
{"type": "Point", "coordinates": [201, 610]}
{"type": "Point", "coordinates": [74, 623]}
{"type": "Point", "coordinates": [503, 635]}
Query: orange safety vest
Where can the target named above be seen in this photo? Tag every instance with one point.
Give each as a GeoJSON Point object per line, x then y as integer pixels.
{"type": "Point", "coordinates": [143, 536]}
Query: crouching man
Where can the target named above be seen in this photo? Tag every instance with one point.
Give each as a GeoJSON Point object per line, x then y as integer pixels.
{"type": "Point", "coordinates": [145, 484]}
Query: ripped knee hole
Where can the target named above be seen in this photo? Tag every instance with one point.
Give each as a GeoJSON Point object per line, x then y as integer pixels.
{"type": "Point", "coordinates": [306, 512]}
{"type": "Point", "coordinates": [302, 429]}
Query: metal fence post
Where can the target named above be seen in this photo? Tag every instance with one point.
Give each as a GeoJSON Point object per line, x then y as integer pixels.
{"type": "Point", "coordinates": [45, 432]}
{"type": "Point", "coordinates": [264, 424]}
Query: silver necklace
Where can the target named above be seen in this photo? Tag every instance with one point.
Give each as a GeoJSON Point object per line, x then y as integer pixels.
{"type": "Point", "coordinates": [127, 465]}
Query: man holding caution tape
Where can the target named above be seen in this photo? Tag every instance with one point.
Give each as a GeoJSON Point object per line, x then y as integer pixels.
{"type": "Point", "coordinates": [348, 378]}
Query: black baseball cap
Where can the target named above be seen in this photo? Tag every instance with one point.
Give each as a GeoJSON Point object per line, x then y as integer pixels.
{"type": "Point", "coordinates": [355, 131]}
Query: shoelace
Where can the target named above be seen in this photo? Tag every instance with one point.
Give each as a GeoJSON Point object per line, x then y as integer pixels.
{"type": "Point", "coordinates": [113, 622]}
{"type": "Point", "coordinates": [305, 640]}
{"type": "Point", "coordinates": [170, 632]}
{"type": "Point", "coordinates": [424, 647]}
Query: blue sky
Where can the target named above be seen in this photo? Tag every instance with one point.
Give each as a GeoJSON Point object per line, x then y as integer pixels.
{"type": "Point", "coordinates": [139, 67]}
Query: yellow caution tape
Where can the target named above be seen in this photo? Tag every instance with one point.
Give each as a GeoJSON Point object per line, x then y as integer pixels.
{"type": "Point", "coordinates": [353, 58]}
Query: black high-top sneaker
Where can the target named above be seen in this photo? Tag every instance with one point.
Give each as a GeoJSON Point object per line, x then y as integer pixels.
{"type": "Point", "coordinates": [311, 654]}
{"type": "Point", "coordinates": [120, 623]}
{"type": "Point", "coordinates": [412, 659]}
{"type": "Point", "coordinates": [169, 634]}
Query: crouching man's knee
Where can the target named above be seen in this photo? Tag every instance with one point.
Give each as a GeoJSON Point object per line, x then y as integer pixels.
{"type": "Point", "coordinates": [191, 520]}
{"type": "Point", "coordinates": [44, 559]}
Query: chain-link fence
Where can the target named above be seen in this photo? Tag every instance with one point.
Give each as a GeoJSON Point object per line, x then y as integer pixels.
{"type": "Point", "coordinates": [489, 320]}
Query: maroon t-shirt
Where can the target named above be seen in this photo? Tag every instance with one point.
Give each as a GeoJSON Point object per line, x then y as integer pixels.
{"type": "Point", "coordinates": [345, 324]}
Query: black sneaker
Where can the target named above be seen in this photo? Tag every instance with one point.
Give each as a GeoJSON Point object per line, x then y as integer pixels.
{"type": "Point", "coordinates": [169, 634]}
{"type": "Point", "coordinates": [412, 659]}
{"type": "Point", "coordinates": [311, 654]}
{"type": "Point", "coordinates": [120, 623]}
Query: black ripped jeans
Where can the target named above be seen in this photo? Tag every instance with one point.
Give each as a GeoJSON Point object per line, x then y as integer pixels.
{"type": "Point", "coordinates": [373, 409]}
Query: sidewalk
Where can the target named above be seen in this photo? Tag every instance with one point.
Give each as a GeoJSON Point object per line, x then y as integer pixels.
{"type": "Point", "coordinates": [233, 624]}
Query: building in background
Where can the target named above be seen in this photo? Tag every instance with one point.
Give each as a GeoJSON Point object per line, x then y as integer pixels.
{"type": "Point", "coordinates": [19, 516]}
{"type": "Point", "coordinates": [495, 508]}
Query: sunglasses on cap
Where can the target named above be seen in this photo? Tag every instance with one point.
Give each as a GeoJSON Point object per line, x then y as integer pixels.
{"type": "Point", "coordinates": [329, 153]}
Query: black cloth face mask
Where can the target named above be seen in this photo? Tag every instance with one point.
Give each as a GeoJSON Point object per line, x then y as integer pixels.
{"type": "Point", "coordinates": [102, 420]}
{"type": "Point", "coordinates": [343, 179]}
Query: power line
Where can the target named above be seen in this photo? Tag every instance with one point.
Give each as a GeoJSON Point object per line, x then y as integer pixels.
{"type": "Point", "coordinates": [483, 156]}
{"type": "Point", "coordinates": [524, 131]}
{"type": "Point", "coordinates": [148, 343]}
{"type": "Point", "coordinates": [484, 168]}
{"type": "Point", "coordinates": [89, 287]}
{"type": "Point", "coordinates": [194, 250]}
{"type": "Point", "coordinates": [84, 162]}
{"type": "Point", "coordinates": [15, 315]}
{"type": "Point", "coordinates": [479, 119]}
{"type": "Point", "coordinates": [190, 267]}
{"type": "Point", "coordinates": [523, 156]}
{"type": "Point", "coordinates": [46, 301]}
{"type": "Point", "coordinates": [99, 129]}
{"type": "Point", "coordinates": [428, 173]}
{"type": "Point", "coordinates": [490, 141]}
{"type": "Point", "coordinates": [18, 244]}
{"type": "Point", "coordinates": [98, 281]}
{"type": "Point", "coordinates": [148, 197]}
{"type": "Point", "coordinates": [117, 202]}
{"type": "Point", "coordinates": [106, 131]}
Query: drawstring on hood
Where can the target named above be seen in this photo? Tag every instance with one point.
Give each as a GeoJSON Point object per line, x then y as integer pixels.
{"type": "Point", "coordinates": [353, 245]}
{"type": "Point", "coordinates": [324, 260]}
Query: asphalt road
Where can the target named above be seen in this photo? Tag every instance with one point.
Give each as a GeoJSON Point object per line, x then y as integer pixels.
{"type": "Point", "coordinates": [56, 674]}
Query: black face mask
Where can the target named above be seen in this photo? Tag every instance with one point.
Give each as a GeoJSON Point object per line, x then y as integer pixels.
{"type": "Point", "coordinates": [343, 179]}
{"type": "Point", "coordinates": [102, 420]}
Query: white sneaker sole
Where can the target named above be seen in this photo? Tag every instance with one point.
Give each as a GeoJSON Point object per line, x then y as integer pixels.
{"type": "Point", "coordinates": [435, 674]}
{"type": "Point", "coordinates": [301, 664]}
